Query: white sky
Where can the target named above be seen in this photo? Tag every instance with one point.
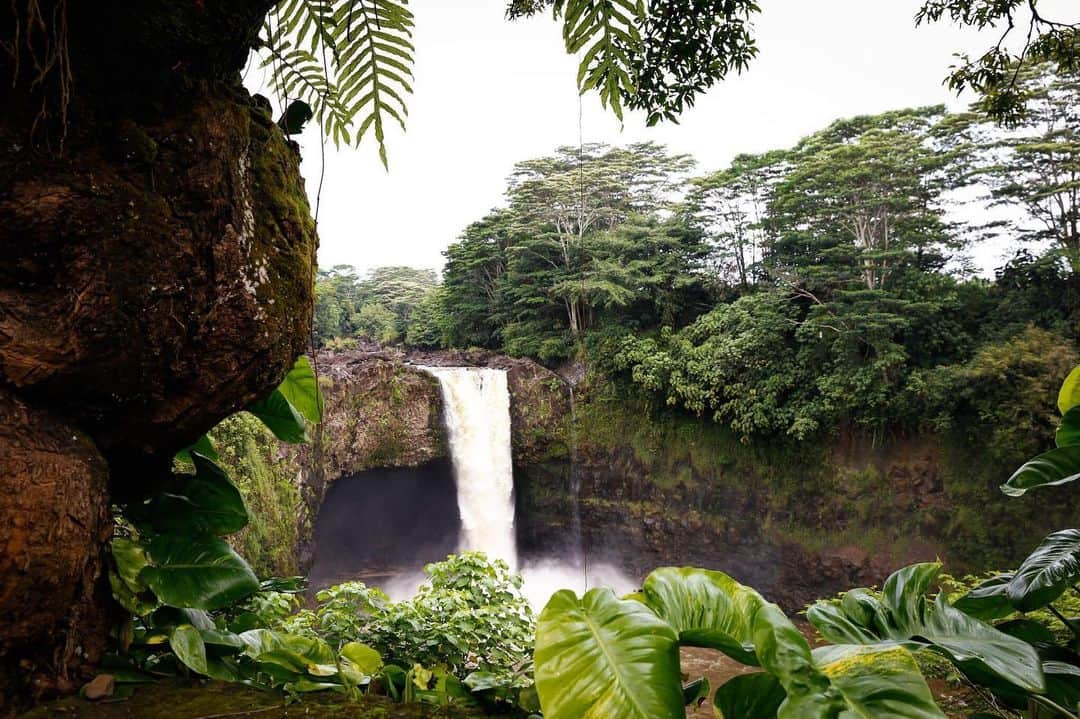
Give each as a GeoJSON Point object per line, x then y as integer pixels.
{"type": "Point", "coordinates": [489, 93]}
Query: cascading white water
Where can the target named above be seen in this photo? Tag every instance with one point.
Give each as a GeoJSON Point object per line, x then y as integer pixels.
{"type": "Point", "coordinates": [477, 406]}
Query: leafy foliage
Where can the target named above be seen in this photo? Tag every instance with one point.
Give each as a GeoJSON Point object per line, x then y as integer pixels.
{"type": "Point", "coordinates": [994, 73]}
{"type": "Point", "coordinates": [604, 656]}
{"type": "Point", "coordinates": [469, 617]}
{"type": "Point", "coordinates": [376, 308]}
{"type": "Point", "coordinates": [351, 60]}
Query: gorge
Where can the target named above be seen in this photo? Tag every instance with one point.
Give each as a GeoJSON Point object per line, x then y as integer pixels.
{"type": "Point", "coordinates": [652, 487]}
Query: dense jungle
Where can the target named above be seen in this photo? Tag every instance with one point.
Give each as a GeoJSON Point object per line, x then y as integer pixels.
{"type": "Point", "coordinates": [792, 436]}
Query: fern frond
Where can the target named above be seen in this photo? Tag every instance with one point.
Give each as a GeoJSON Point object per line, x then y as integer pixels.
{"type": "Point", "coordinates": [606, 32]}
{"type": "Point", "coordinates": [351, 60]}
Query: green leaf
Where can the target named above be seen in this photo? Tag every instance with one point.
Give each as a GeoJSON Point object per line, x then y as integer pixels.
{"type": "Point", "coordinates": [363, 658]}
{"type": "Point", "coordinates": [135, 603]}
{"type": "Point", "coordinates": [1069, 395]}
{"type": "Point", "coordinates": [750, 696]}
{"type": "Point", "coordinates": [988, 601]}
{"type": "Point", "coordinates": [905, 616]}
{"type": "Point", "coordinates": [130, 557]}
{"type": "Point", "coordinates": [277, 413]}
{"type": "Point", "coordinates": [202, 572]}
{"type": "Point", "coordinates": [204, 503]}
{"type": "Point", "coordinates": [1068, 432]}
{"type": "Point", "coordinates": [605, 657]}
{"type": "Point", "coordinates": [187, 644]}
{"type": "Point", "coordinates": [1058, 466]}
{"type": "Point", "coordinates": [301, 388]}
{"type": "Point", "coordinates": [1047, 572]}
{"type": "Point", "coordinates": [708, 609]}
{"type": "Point", "coordinates": [290, 652]}
{"type": "Point", "coordinates": [881, 681]}
{"type": "Point", "coordinates": [203, 446]}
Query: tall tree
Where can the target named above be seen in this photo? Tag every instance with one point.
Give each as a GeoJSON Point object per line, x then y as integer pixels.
{"type": "Point", "coordinates": [558, 201]}
{"type": "Point", "coordinates": [473, 281]}
{"type": "Point", "coordinates": [1034, 166]}
{"type": "Point", "coordinates": [862, 193]}
{"type": "Point", "coordinates": [730, 207]}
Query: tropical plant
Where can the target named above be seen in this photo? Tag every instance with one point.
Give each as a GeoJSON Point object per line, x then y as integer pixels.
{"type": "Point", "coordinates": [1019, 660]}
{"type": "Point", "coordinates": [171, 566]}
{"type": "Point", "coordinates": [599, 655]}
{"type": "Point", "coordinates": [468, 619]}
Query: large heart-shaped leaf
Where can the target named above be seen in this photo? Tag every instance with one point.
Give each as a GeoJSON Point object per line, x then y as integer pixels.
{"type": "Point", "coordinates": [1069, 394]}
{"type": "Point", "coordinates": [277, 413]}
{"type": "Point", "coordinates": [905, 616]}
{"type": "Point", "coordinates": [199, 571]}
{"type": "Point", "coordinates": [1047, 572]}
{"type": "Point", "coordinates": [881, 681]}
{"type": "Point", "coordinates": [600, 656]}
{"type": "Point", "coordinates": [301, 388]}
{"type": "Point", "coordinates": [359, 662]}
{"type": "Point", "coordinates": [708, 609]}
{"type": "Point", "coordinates": [750, 696]}
{"type": "Point", "coordinates": [204, 503]}
{"type": "Point", "coordinates": [1058, 466]}
{"type": "Point", "coordinates": [188, 646]}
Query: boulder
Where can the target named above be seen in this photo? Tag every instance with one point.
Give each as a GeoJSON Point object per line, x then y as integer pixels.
{"type": "Point", "coordinates": [54, 507]}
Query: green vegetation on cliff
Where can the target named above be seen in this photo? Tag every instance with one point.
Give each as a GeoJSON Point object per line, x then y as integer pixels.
{"type": "Point", "coordinates": [268, 478]}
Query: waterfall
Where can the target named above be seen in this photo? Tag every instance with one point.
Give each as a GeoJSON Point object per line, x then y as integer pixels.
{"type": "Point", "coordinates": [477, 407]}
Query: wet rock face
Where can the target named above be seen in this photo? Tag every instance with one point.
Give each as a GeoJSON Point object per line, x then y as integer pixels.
{"type": "Point", "coordinates": [144, 303]}
{"type": "Point", "coordinates": [383, 411]}
{"type": "Point", "coordinates": [158, 271]}
{"type": "Point", "coordinates": [53, 507]}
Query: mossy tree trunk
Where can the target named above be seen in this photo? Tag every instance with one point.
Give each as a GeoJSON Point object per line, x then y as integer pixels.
{"type": "Point", "coordinates": [157, 276]}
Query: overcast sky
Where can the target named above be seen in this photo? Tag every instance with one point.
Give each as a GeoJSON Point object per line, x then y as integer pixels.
{"type": "Point", "coordinates": [489, 93]}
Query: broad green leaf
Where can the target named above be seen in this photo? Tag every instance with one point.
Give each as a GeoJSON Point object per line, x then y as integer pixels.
{"type": "Point", "coordinates": [362, 657]}
{"type": "Point", "coordinates": [1063, 682]}
{"type": "Point", "coordinates": [1047, 572]}
{"type": "Point", "coordinates": [301, 388]}
{"type": "Point", "coordinates": [750, 696]}
{"type": "Point", "coordinates": [600, 656]}
{"type": "Point", "coordinates": [1069, 395]}
{"type": "Point", "coordinates": [219, 638]}
{"type": "Point", "coordinates": [130, 557]}
{"type": "Point", "coordinates": [988, 601]}
{"type": "Point", "coordinates": [290, 652]}
{"type": "Point", "coordinates": [172, 617]}
{"type": "Point", "coordinates": [202, 446]}
{"type": "Point", "coordinates": [1068, 432]}
{"type": "Point", "coordinates": [198, 571]}
{"type": "Point", "coordinates": [906, 617]}
{"type": "Point", "coordinates": [708, 609]}
{"type": "Point", "coordinates": [882, 681]}
{"type": "Point", "coordinates": [281, 417]}
{"type": "Point", "coordinates": [187, 644]}
{"type": "Point", "coordinates": [204, 503]}
{"type": "Point", "coordinates": [1058, 466]}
